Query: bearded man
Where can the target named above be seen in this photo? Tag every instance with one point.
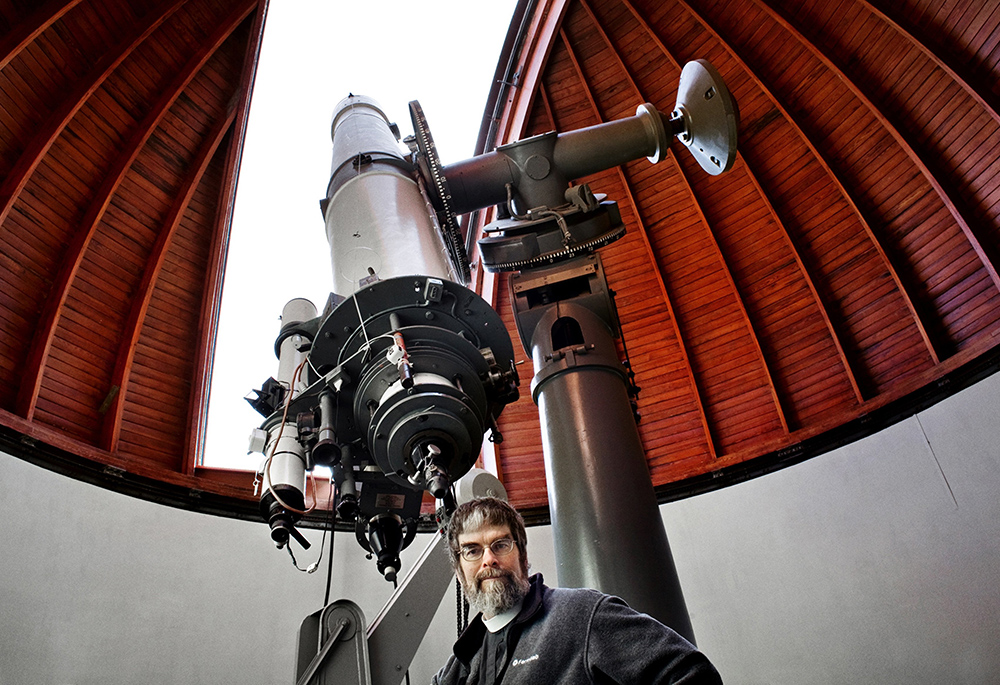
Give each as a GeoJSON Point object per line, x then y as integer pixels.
{"type": "Point", "coordinates": [526, 632]}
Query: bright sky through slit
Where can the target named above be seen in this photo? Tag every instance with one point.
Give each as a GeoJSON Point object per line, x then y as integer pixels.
{"type": "Point", "coordinates": [440, 52]}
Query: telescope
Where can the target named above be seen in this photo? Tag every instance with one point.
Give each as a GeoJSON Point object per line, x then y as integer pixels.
{"type": "Point", "coordinates": [395, 383]}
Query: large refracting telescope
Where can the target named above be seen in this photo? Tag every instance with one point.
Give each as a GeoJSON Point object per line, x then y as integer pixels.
{"type": "Point", "coordinates": [395, 382]}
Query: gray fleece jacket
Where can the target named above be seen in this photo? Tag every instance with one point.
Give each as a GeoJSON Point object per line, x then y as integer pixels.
{"type": "Point", "coordinates": [564, 636]}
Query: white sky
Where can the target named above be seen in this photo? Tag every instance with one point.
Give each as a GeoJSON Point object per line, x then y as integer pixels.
{"type": "Point", "coordinates": [440, 52]}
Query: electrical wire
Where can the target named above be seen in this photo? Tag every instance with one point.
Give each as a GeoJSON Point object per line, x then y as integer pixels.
{"type": "Point", "coordinates": [361, 320]}
{"type": "Point", "coordinates": [365, 348]}
{"type": "Point", "coordinates": [333, 539]}
{"type": "Point", "coordinates": [458, 607]}
{"type": "Point", "coordinates": [270, 458]}
{"type": "Point", "coordinates": [311, 568]}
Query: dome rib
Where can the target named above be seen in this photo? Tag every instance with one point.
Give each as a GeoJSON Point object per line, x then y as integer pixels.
{"type": "Point", "coordinates": [824, 311]}
{"type": "Point", "coordinates": [653, 263]}
{"type": "Point", "coordinates": [786, 117]}
{"type": "Point", "coordinates": [27, 30]}
{"type": "Point", "coordinates": [56, 123]}
{"type": "Point", "coordinates": [42, 341]}
{"type": "Point", "coordinates": [920, 319]}
{"type": "Point", "coordinates": [945, 194]}
{"type": "Point", "coordinates": [691, 196]}
{"type": "Point", "coordinates": [980, 92]}
{"type": "Point", "coordinates": [121, 377]}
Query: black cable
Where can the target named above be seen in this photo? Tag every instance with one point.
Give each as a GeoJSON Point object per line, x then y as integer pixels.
{"type": "Point", "coordinates": [333, 508]}
{"type": "Point", "coordinates": [333, 537]}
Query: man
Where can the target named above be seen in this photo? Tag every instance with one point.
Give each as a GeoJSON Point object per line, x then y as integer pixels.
{"type": "Point", "coordinates": [529, 633]}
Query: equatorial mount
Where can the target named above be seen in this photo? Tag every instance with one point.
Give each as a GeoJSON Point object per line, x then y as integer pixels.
{"type": "Point", "coordinates": [546, 219]}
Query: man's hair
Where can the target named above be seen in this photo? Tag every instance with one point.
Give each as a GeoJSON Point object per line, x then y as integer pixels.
{"type": "Point", "coordinates": [486, 512]}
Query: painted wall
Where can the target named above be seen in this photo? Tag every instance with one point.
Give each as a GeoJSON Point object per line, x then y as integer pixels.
{"type": "Point", "coordinates": [97, 588]}
{"type": "Point", "coordinates": [876, 563]}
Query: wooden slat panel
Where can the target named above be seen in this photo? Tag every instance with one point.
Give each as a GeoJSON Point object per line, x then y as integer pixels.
{"type": "Point", "coordinates": [856, 236]}
{"type": "Point", "coordinates": [635, 254]}
{"type": "Point", "coordinates": [980, 246]}
{"type": "Point", "coordinates": [794, 396]}
{"type": "Point", "coordinates": [759, 46]}
{"type": "Point", "coordinates": [150, 281]}
{"type": "Point", "coordinates": [521, 451]}
{"type": "Point", "coordinates": [30, 385]}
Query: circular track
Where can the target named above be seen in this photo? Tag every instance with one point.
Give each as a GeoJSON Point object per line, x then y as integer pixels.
{"type": "Point", "coordinates": [431, 169]}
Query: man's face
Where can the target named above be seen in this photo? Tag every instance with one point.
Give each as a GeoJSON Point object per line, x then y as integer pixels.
{"type": "Point", "coordinates": [493, 583]}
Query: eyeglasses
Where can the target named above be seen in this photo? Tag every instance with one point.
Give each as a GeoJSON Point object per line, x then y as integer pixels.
{"type": "Point", "coordinates": [500, 548]}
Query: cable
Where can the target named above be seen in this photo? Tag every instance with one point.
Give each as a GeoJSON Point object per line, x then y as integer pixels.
{"type": "Point", "coordinates": [364, 348]}
{"type": "Point", "coordinates": [458, 607]}
{"type": "Point", "coordinates": [267, 463]}
{"type": "Point", "coordinates": [361, 320]}
{"type": "Point", "coordinates": [461, 609]}
{"type": "Point", "coordinates": [311, 568]}
{"type": "Point", "coordinates": [333, 539]}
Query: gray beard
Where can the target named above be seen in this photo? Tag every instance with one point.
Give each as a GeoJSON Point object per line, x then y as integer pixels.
{"type": "Point", "coordinates": [498, 596]}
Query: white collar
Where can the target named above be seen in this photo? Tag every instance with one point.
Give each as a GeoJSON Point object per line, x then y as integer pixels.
{"type": "Point", "coordinates": [500, 620]}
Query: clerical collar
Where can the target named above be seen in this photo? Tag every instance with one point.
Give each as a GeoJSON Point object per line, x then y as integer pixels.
{"type": "Point", "coordinates": [500, 620]}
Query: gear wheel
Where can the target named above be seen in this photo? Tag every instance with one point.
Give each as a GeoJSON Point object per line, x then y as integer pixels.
{"type": "Point", "coordinates": [431, 170]}
{"type": "Point", "coordinates": [516, 244]}
{"type": "Point", "coordinates": [559, 255]}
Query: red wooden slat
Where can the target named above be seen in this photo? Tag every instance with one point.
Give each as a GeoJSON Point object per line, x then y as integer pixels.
{"type": "Point", "coordinates": [42, 341]}
{"type": "Point", "coordinates": [30, 28]}
{"type": "Point", "coordinates": [698, 207]}
{"type": "Point", "coordinates": [947, 195]}
{"type": "Point", "coordinates": [140, 302]}
{"type": "Point", "coordinates": [56, 123]}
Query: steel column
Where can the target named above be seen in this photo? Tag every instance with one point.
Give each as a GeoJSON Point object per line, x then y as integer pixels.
{"type": "Point", "coordinates": [605, 520]}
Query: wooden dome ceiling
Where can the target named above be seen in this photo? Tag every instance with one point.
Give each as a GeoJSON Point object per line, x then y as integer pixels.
{"type": "Point", "coordinates": [120, 128]}
{"type": "Point", "coordinates": [842, 275]}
